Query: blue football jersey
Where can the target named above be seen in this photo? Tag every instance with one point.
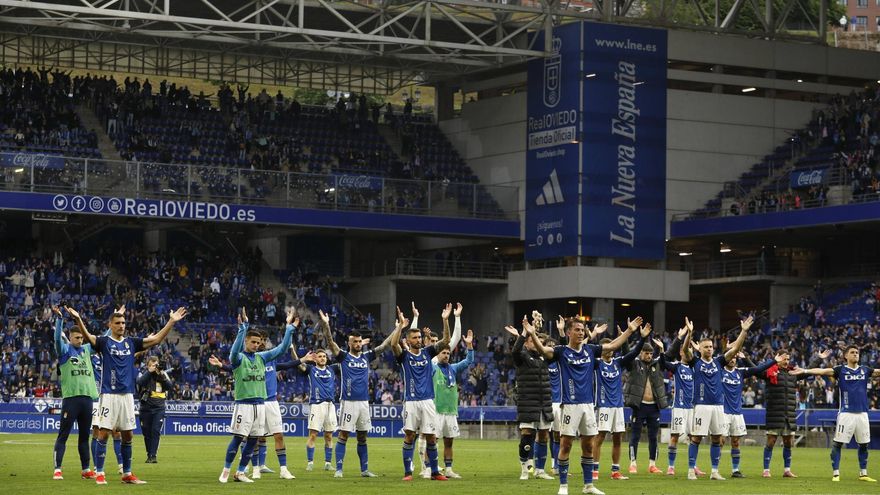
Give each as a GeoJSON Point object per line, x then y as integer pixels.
{"type": "Point", "coordinates": [555, 392]}
{"type": "Point", "coordinates": [852, 388]}
{"type": "Point", "coordinates": [322, 384]}
{"type": "Point", "coordinates": [707, 381]}
{"type": "Point", "coordinates": [418, 374]}
{"type": "Point", "coordinates": [118, 373]}
{"type": "Point", "coordinates": [610, 377]}
{"type": "Point", "coordinates": [271, 381]}
{"type": "Point", "coordinates": [732, 384]}
{"type": "Point", "coordinates": [684, 386]}
{"type": "Point", "coordinates": [577, 372]}
{"type": "Point", "coordinates": [355, 375]}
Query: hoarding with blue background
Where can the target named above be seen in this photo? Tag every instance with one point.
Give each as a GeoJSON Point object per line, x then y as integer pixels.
{"type": "Point", "coordinates": [553, 148]}
{"type": "Point", "coordinates": [624, 165]}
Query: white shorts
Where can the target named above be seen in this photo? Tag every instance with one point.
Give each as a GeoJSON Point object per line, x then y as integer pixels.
{"type": "Point", "coordinates": [852, 424]}
{"type": "Point", "coordinates": [610, 419]}
{"type": "Point", "coordinates": [248, 420]}
{"type": "Point", "coordinates": [541, 424]}
{"type": "Point", "coordinates": [681, 421]}
{"type": "Point", "coordinates": [322, 417]}
{"type": "Point", "coordinates": [420, 415]}
{"type": "Point", "coordinates": [116, 412]}
{"type": "Point", "coordinates": [708, 420]}
{"type": "Point", "coordinates": [448, 426]}
{"type": "Point", "coordinates": [736, 425]}
{"type": "Point", "coordinates": [354, 415]}
{"type": "Point", "coordinates": [578, 420]}
{"type": "Point", "coordinates": [95, 413]}
{"type": "Point", "coordinates": [273, 418]}
{"type": "Point", "coordinates": [557, 417]}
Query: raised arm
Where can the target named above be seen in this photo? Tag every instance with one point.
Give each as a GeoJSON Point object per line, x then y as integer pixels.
{"type": "Point", "coordinates": [60, 344]}
{"type": "Point", "coordinates": [445, 315]}
{"type": "Point", "coordinates": [634, 351]}
{"type": "Point", "coordinates": [235, 350]}
{"type": "Point", "coordinates": [156, 338]}
{"type": "Point", "coordinates": [547, 352]}
{"type": "Point", "coordinates": [757, 370]}
{"type": "Point", "coordinates": [379, 349]}
{"type": "Point", "coordinates": [395, 335]}
{"type": "Point", "coordinates": [687, 354]}
{"type": "Point", "coordinates": [415, 320]}
{"type": "Point", "coordinates": [275, 352]}
{"type": "Point", "coordinates": [674, 351]}
{"type": "Point", "coordinates": [631, 326]}
{"type": "Point", "coordinates": [597, 331]}
{"type": "Point", "coordinates": [813, 371]}
{"type": "Point", "coordinates": [469, 359]}
{"type": "Point", "coordinates": [91, 339]}
{"type": "Point", "coordinates": [737, 346]}
{"type": "Point", "coordinates": [325, 328]}
{"type": "Point", "coordinates": [297, 361]}
{"type": "Point", "coordinates": [456, 327]}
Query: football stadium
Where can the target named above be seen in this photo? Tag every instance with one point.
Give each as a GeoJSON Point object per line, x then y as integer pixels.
{"type": "Point", "coordinates": [480, 246]}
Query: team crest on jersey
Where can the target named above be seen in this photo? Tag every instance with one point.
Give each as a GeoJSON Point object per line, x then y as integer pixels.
{"type": "Point", "coordinates": [126, 344]}
{"type": "Point", "coordinates": [74, 361]}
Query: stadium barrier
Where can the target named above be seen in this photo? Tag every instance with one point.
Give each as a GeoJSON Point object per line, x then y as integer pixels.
{"type": "Point", "coordinates": [33, 415]}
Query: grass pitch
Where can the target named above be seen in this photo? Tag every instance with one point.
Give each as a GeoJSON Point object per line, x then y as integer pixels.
{"type": "Point", "coordinates": [189, 464]}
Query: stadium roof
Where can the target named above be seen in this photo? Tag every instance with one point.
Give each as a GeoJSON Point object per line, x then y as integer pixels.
{"type": "Point", "coordinates": [390, 42]}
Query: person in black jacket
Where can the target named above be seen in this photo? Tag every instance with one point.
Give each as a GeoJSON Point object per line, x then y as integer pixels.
{"type": "Point", "coordinates": [645, 393]}
{"type": "Point", "coordinates": [534, 411]}
{"type": "Point", "coordinates": [781, 405]}
{"type": "Point", "coordinates": [153, 387]}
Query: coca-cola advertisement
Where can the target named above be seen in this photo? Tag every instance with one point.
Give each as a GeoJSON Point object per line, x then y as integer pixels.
{"type": "Point", "coordinates": [358, 182]}
{"type": "Point", "coordinates": [808, 178]}
{"type": "Point", "coordinates": [26, 160]}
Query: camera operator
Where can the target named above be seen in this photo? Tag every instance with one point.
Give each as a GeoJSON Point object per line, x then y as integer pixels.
{"type": "Point", "coordinates": [153, 386]}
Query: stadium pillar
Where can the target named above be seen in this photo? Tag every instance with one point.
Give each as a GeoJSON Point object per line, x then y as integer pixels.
{"type": "Point", "coordinates": [603, 308]}
{"type": "Point", "coordinates": [443, 102]}
{"type": "Point", "coordinates": [155, 240]}
{"type": "Point", "coordinates": [659, 320]}
{"type": "Point", "coordinates": [715, 310]}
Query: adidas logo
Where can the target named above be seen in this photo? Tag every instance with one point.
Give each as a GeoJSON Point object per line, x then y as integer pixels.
{"type": "Point", "coordinates": [552, 193]}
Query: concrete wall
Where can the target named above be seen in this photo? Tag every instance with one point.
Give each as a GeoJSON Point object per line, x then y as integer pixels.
{"type": "Point", "coordinates": [601, 282]}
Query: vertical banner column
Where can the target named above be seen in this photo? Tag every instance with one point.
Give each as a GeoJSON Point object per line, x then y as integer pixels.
{"type": "Point", "coordinates": [624, 193]}
{"type": "Point", "coordinates": [552, 156]}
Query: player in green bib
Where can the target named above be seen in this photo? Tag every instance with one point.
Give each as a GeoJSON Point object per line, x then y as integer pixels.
{"type": "Point", "coordinates": [78, 390]}
{"type": "Point", "coordinates": [249, 372]}
{"type": "Point", "coordinates": [446, 396]}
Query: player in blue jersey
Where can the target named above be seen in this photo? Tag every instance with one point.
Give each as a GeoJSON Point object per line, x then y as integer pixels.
{"type": "Point", "coordinates": [116, 403]}
{"type": "Point", "coordinates": [709, 397]}
{"type": "Point", "coordinates": [732, 384]}
{"type": "Point", "coordinates": [577, 362]}
{"type": "Point", "coordinates": [354, 401]}
{"type": "Point", "coordinates": [322, 390]}
{"type": "Point", "coordinates": [419, 411]}
{"type": "Point", "coordinates": [117, 438]}
{"type": "Point", "coordinates": [852, 417]}
{"type": "Point", "coordinates": [682, 402]}
{"type": "Point", "coordinates": [610, 418]}
{"type": "Point", "coordinates": [249, 373]}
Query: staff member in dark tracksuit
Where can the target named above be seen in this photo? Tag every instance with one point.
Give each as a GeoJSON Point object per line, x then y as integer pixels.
{"type": "Point", "coordinates": [153, 387]}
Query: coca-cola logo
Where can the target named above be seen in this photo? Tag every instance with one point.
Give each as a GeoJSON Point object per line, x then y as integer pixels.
{"type": "Point", "coordinates": [810, 178]}
{"type": "Point", "coordinates": [355, 181]}
{"type": "Point", "coordinates": [38, 160]}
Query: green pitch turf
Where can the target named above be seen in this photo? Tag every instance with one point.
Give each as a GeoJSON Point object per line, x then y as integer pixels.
{"type": "Point", "coordinates": [192, 465]}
